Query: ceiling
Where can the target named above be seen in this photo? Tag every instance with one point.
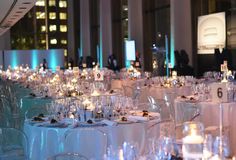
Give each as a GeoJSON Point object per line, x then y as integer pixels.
{"type": "Point", "coordinates": [12, 11]}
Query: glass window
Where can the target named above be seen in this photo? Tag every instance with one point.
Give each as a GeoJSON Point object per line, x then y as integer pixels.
{"type": "Point", "coordinates": [63, 16]}
{"type": "Point", "coordinates": [40, 3]}
{"type": "Point", "coordinates": [52, 28]}
{"type": "Point", "coordinates": [43, 41]}
{"type": "Point", "coordinates": [53, 41]}
{"type": "Point", "coordinates": [63, 28]}
{"type": "Point", "coordinates": [43, 29]}
{"type": "Point", "coordinates": [40, 15]}
{"type": "Point", "coordinates": [52, 15]}
{"type": "Point", "coordinates": [65, 52]}
{"type": "Point", "coordinates": [63, 41]}
{"type": "Point", "coordinates": [62, 4]}
{"type": "Point", "coordinates": [52, 3]}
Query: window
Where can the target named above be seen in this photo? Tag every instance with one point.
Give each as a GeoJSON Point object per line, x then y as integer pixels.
{"type": "Point", "coordinates": [63, 41]}
{"type": "Point", "coordinates": [40, 3]}
{"type": "Point", "coordinates": [43, 41]}
{"type": "Point", "coordinates": [43, 29]}
{"type": "Point", "coordinates": [62, 4]}
{"type": "Point", "coordinates": [63, 28]}
{"type": "Point", "coordinates": [53, 41]}
{"type": "Point", "coordinates": [40, 15]}
{"type": "Point", "coordinates": [52, 3]}
{"type": "Point", "coordinates": [52, 28]}
{"type": "Point", "coordinates": [52, 15]}
{"type": "Point", "coordinates": [63, 16]}
{"type": "Point", "coordinates": [65, 52]}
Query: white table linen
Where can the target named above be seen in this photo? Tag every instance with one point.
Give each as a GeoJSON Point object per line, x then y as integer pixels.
{"type": "Point", "coordinates": [47, 141]}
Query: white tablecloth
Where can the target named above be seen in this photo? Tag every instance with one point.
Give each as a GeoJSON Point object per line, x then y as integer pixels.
{"type": "Point", "coordinates": [155, 91]}
{"type": "Point", "coordinates": [209, 116]}
{"type": "Point", "coordinates": [46, 142]}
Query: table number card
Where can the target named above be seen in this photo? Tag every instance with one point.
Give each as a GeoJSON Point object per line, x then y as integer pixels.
{"type": "Point", "coordinates": [58, 68]}
{"type": "Point", "coordinates": [84, 65]}
{"type": "Point", "coordinates": [137, 64]}
{"type": "Point", "coordinates": [170, 65]}
{"type": "Point", "coordinates": [76, 69]}
{"type": "Point", "coordinates": [219, 92]}
{"type": "Point", "coordinates": [223, 68]}
{"type": "Point", "coordinates": [98, 75]}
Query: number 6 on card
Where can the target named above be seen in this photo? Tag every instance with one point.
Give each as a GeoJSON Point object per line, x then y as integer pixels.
{"type": "Point", "coordinates": [219, 92]}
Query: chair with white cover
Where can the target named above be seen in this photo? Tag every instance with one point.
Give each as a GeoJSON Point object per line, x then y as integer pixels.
{"type": "Point", "coordinates": [90, 142]}
{"type": "Point", "coordinates": [13, 144]}
{"type": "Point", "coordinates": [68, 156]}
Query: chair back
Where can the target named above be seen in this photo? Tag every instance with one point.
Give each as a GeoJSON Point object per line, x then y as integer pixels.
{"type": "Point", "coordinates": [68, 156]}
{"type": "Point", "coordinates": [90, 142]}
{"type": "Point", "coordinates": [13, 144]}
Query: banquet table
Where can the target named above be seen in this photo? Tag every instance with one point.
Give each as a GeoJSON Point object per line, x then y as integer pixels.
{"type": "Point", "coordinates": [155, 91]}
{"type": "Point", "coordinates": [47, 141]}
{"type": "Point", "coordinates": [209, 116]}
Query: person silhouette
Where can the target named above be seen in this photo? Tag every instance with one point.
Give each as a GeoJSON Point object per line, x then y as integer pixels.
{"type": "Point", "coordinates": [45, 65]}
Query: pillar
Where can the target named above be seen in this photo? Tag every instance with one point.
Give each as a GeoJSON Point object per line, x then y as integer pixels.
{"type": "Point", "coordinates": [135, 25]}
{"type": "Point", "coordinates": [105, 31]}
{"type": "Point", "coordinates": [5, 42]}
{"type": "Point", "coordinates": [85, 42]}
{"type": "Point", "coordinates": [71, 49]}
{"type": "Point", "coordinates": [181, 28]}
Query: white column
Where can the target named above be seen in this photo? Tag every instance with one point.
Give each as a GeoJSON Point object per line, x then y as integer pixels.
{"type": "Point", "coordinates": [85, 42]}
{"type": "Point", "coordinates": [181, 27]}
{"type": "Point", "coordinates": [71, 34]}
{"type": "Point", "coordinates": [135, 25]}
{"type": "Point", "coordinates": [105, 31]}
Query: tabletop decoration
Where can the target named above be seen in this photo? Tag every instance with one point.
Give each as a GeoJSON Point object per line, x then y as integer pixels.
{"type": "Point", "coordinates": [193, 140]}
{"type": "Point", "coordinates": [224, 69]}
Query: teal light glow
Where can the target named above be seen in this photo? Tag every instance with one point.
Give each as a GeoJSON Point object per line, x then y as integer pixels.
{"type": "Point", "coordinates": [53, 59]}
{"type": "Point", "coordinates": [98, 55]}
{"type": "Point", "coordinates": [101, 53]}
{"type": "Point", "coordinates": [172, 36]}
{"type": "Point", "coordinates": [127, 64]}
{"type": "Point", "coordinates": [14, 61]}
{"type": "Point", "coordinates": [34, 59]}
{"type": "Point", "coordinates": [172, 51]}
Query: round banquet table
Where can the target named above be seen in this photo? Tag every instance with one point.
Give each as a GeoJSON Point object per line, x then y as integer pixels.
{"type": "Point", "coordinates": [159, 92]}
{"type": "Point", "coordinates": [48, 141]}
{"type": "Point", "coordinates": [209, 116]}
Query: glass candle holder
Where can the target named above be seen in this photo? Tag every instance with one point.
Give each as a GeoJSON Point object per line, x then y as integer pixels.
{"type": "Point", "coordinates": [193, 140]}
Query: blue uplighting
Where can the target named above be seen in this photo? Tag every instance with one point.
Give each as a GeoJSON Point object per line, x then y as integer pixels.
{"type": "Point", "coordinates": [127, 64]}
{"type": "Point", "coordinates": [34, 59]}
{"type": "Point", "coordinates": [14, 61]}
{"type": "Point", "coordinates": [53, 60]}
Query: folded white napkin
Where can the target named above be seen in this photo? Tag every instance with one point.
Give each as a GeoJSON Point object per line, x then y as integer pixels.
{"type": "Point", "coordinates": [109, 123]}
{"type": "Point", "coordinates": [137, 118]}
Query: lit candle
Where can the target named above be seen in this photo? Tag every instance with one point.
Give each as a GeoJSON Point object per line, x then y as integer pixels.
{"type": "Point", "coordinates": [189, 149]}
{"type": "Point", "coordinates": [174, 74]}
{"type": "Point", "coordinates": [121, 156]}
